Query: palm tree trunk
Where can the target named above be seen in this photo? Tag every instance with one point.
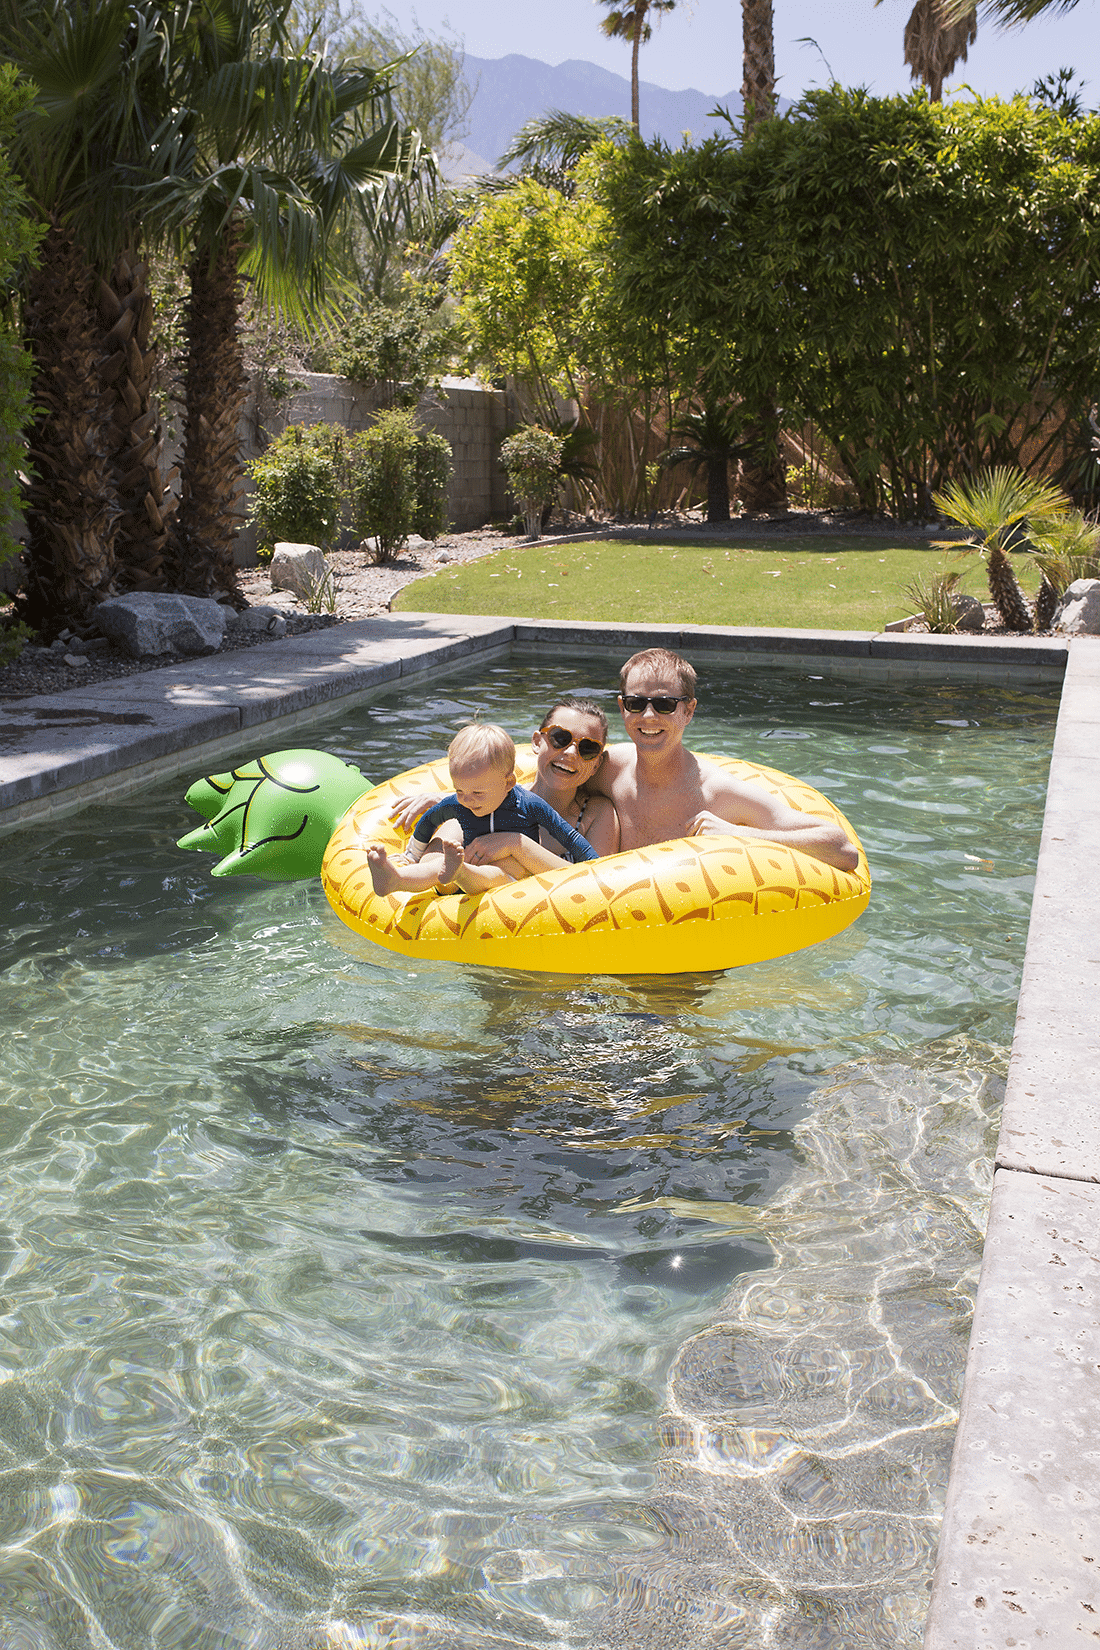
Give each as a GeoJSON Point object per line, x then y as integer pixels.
{"type": "Point", "coordinates": [758, 66]}
{"type": "Point", "coordinates": [69, 503]}
{"type": "Point", "coordinates": [762, 483]}
{"type": "Point", "coordinates": [635, 48]}
{"type": "Point", "coordinates": [206, 526]}
{"type": "Point", "coordinates": [146, 504]}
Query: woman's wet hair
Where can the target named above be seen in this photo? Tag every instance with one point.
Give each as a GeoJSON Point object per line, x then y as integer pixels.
{"type": "Point", "coordinates": [586, 707]}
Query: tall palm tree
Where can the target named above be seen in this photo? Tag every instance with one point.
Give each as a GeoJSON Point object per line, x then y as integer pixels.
{"type": "Point", "coordinates": [935, 41]}
{"type": "Point", "coordinates": [264, 151]}
{"type": "Point", "coordinates": [758, 63]}
{"type": "Point", "coordinates": [95, 63]}
{"type": "Point", "coordinates": [1009, 11]}
{"type": "Point", "coordinates": [762, 483]}
{"type": "Point", "coordinates": [631, 22]}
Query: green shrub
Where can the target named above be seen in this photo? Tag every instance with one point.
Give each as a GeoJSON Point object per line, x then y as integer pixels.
{"type": "Point", "coordinates": [398, 474]}
{"type": "Point", "coordinates": [532, 458]}
{"type": "Point", "coordinates": [935, 602]}
{"type": "Point", "coordinates": [299, 483]}
{"type": "Point", "coordinates": [402, 347]}
{"type": "Point", "coordinates": [433, 477]}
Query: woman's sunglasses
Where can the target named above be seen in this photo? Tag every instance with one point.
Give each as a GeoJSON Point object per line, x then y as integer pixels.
{"type": "Point", "coordinates": [561, 739]}
{"type": "Point", "coordinates": [663, 703]}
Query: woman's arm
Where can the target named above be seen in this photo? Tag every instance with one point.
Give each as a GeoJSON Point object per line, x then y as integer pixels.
{"type": "Point", "coordinates": [600, 825]}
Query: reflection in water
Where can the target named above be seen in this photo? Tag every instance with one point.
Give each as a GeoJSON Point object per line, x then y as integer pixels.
{"type": "Point", "coordinates": [350, 1302]}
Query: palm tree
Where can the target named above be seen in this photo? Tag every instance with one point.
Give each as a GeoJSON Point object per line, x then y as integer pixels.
{"type": "Point", "coordinates": [95, 63]}
{"type": "Point", "coordinates": [758, 64]}
{"type": "Point", "coordinates": [631, 22]}
{"type": "Point", "coordinates": [935, 42]}
{"type": "Point", "coordinates": [263, 152]}
{"type": "Point", "coordinates": [994, 504]}
{"type": "Point", "coordinates": [709, 439]}
{"type": "Point", "coordinates": [762, 483]}
{"type": "Point", "coordinates": [1008, 11]}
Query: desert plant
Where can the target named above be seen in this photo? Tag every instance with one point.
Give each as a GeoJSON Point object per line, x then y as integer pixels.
{"type": "Point", "coordinates": [935, 602]}
{"type": "Point", "coordinates": [397, 481]}
{"type": "Point", "coordinates": [298, 488]}
{"type": "Point", "coordinates": [532, 457]}
{"type": "Point", "coordinates": [992, 504]}
{"type": "Point", "coordinates": [320, 593]}
{"type": "Point", "coordinates": [1064, 549]}
{"type": "Point", "coordinates": [710, 438]}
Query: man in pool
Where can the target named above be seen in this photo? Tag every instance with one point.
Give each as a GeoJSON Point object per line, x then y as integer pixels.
{"type": "Point", "coordinates": [661, 790]}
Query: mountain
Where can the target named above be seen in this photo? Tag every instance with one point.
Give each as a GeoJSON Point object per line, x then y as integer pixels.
{"type": "Point", "coordinates": [509, 91]}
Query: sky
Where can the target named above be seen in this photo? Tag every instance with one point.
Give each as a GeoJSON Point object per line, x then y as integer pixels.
{"type": "Point", "coordinates": [699, 44]}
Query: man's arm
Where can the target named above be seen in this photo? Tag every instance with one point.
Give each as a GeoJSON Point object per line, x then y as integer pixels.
{"type": "Point", "coordinates": [736, 809]}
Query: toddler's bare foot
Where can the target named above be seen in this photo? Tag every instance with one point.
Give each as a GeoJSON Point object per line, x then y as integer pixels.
{"type": "Point", "coordinates": [451, 855]}
{"type": "Point", "coordinates": [385, 875]}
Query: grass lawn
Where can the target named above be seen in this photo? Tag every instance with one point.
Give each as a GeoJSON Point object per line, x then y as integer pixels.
{"type": "Point", "coordinates": [841, 582]}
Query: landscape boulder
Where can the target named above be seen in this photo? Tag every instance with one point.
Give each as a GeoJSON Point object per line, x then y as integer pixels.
{"type": "Point", "coordinates": [298, 568]}
{"type": "Point", "coordinates": [1078, 612]}
{"type": "Point", "coordinates": [969, 612]}
{"type": "Point", "coordinates": [146, 624]}
{"type": "Point", "coordinates": [261, 621]}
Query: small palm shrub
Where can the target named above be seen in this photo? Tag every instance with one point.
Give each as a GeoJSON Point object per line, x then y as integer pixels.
{"type": "Point", "coordinates": [1064, 549]}
{"type": "Point", "coordinates": [397, 481]}
{"type": "Point", "coordinates": [298, 488]}
{"type": "Point", "coordinates": [994, 504]}
{"type": "Point", "coordinates": [532, 457]}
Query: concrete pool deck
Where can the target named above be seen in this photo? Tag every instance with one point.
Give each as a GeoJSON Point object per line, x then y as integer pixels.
{"type": "Point", "coordinates": [1019, 1555]}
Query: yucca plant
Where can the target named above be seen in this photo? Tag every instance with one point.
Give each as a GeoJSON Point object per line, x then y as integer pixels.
{"type": "Point", "coordinates": [935, 602]}
{"type": "Point", "coordinates": [1064, 549]}
{"type": "Point", "coordinates": [993, 503]}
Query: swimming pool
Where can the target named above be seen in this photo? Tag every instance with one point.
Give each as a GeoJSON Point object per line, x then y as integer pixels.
{"type": "Point", "coordinates": [348, 1302]}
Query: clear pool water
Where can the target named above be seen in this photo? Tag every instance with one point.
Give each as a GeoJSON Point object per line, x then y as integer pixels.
{"type": "Point", "coordinates": [348, 1302]}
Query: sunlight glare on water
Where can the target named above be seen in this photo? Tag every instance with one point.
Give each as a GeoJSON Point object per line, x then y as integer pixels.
{"type": "Point", "coordinates": [350, 1301]}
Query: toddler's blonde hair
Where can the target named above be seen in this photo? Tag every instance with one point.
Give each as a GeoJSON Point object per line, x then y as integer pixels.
{"type": "Point", "coordinates": [482, 745]}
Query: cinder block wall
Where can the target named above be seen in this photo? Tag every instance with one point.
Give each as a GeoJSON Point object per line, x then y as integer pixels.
{"type": "Point", "coordinates": [473, 418]}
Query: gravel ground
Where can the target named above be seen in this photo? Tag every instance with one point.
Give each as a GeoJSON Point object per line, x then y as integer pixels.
{"type": "Point", "coordinates": [363, 589]}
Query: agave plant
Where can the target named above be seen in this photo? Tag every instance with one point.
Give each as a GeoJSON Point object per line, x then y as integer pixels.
{"type": "Point", "coordinates": [935, 602]}
{"type": "Point", "coordinates": [993, 504]}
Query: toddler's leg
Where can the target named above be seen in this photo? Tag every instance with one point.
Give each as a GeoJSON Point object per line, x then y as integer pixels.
{"type": "Point", "coordinates": [398, 874]}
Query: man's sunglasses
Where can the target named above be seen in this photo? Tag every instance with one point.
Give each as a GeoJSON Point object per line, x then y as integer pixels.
{"type": "Point", "coordinates": [663, 703]}
{"type": "Point", "coordinates": [561, 739]}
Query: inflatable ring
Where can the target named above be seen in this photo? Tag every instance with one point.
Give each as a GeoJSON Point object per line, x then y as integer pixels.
{"type": "Point", "coordinates": [677, 907]}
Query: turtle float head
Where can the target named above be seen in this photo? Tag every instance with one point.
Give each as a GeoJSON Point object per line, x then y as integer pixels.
{"type": "Point", "coordinates": [273, 816]}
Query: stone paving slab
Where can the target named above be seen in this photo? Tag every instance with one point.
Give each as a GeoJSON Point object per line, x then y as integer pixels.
{"type": "Point", "coordinates": [66, 743]}
{"type": "Point", "coordinates": [1019, 1558]}
{"type": "Point", "coordinates": [1051, 1118]}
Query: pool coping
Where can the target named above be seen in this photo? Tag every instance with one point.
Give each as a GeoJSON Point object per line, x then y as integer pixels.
{"type": "Point", "coordinates": [1015, 1554]}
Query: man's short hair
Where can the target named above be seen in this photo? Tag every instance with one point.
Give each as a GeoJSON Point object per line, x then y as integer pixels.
{"type": "Point", "coordinates": [482, 745]}
{"type": "Point", "coordinates": [664, 661]}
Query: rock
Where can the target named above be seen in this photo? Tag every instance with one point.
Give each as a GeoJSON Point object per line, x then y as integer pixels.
{"type": "Point", "coordinates": [1078, 612]}
{"type": "Point", "coordinates": [298, 568]}
{"type": "Point", "coordinates": [264, 621]}
{"type": "Point", "coordinates": [146, 624]}
{"type": "Point", "coordinates": [969, 612]}
{"type": "Point", "coordinates": [444, 556]}
{"type": "Point", "coordinates": [78, 661]}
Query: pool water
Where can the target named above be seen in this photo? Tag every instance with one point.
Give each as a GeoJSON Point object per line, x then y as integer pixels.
{"type": "Point", "coordinates": [354, 1302]}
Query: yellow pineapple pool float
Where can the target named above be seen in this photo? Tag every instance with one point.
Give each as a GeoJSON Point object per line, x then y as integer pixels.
{"type": "Point", "coordinates": [677, 907]}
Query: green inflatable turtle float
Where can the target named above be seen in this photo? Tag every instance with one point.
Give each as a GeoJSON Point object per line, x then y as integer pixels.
{"type": "Point", "coordinates": [273, 816]}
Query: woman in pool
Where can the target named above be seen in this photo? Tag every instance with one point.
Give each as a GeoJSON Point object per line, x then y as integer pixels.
{"type": "Point", "coordinates": [569, 748]}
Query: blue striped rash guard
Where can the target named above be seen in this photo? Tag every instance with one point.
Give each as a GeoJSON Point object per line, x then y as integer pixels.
{"type": "Point", "coordinates": [520, 811]}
